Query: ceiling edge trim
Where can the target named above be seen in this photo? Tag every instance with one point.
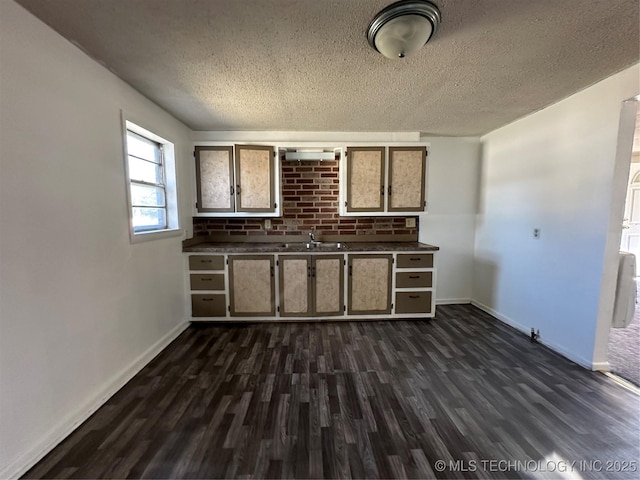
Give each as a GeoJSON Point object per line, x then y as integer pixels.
{"type": "Point", "coordinates": [282, 136]}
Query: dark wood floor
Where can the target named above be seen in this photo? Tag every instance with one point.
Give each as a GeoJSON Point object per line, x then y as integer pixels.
{"type": "Point", "coordinates": [386, 399]}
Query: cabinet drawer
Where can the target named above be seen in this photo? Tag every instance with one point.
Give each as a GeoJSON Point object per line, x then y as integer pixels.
{"type": "Point", "coordinates": [413, 302]}
{"type": "Point", "coordinates": [415, 260]}
{"type": "Point", "coordinates": [207, 281]}
{"type": "Point", "coordinates": [206, 262]}
{"type": "Point", "coordinates": [203, 305]}
{"type": "Point", "coordinates": [414, 279]}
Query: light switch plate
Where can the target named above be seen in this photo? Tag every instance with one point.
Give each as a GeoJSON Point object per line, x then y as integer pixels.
{"type": "Point", "coordinates": [410, 222]}
{"type": "Point", "coordinates": [267, 224]}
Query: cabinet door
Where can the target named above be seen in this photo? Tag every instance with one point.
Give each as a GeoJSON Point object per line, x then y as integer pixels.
{"type": "Point", "coordinates": [369, 284]}
{"type": "Point", "coordinates": [252, 285]}
{"type": "Point", "coordinates": [328, 276]}
{"type": "Point", "coordinates": [406, 179]}
{"type": "Point", "coordinates": [365, 179]}
{"type": "Point", "coordinates": [295, 285]}
{"type": "Point", "coordinates": [255, 182]}
{"type": "Point", "coordinates": [214, 179]}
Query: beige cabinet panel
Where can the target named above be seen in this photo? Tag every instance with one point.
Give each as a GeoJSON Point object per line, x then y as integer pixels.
{"type": "Point", "coordinates": [214, 179]}
{"type": "Point", "coordinates": [252, 285]}
{"type": "Point", "coordinates": [365, 179]}
{"type": "Point", "coordinates": [255, 178]}
{"type": "Point", "coordinates": [328, 275]}
{"type": "Point", "coordinates": [406, 178]}
{"type": "Point", "coordinates": [311, 285]}
{"type": "Point", "coordinates": [295, 290]}
{"type": "Point", "coordinates": [369, 284]}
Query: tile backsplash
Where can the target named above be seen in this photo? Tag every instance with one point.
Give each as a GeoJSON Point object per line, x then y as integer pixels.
{"type": "Point", "coordinates": [310, 195]}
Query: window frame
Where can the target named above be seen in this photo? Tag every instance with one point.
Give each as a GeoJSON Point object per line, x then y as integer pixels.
{"type": "Point", "coordinates": [160, 184]}
{"type": "Point", "coordinates": [167, 165]}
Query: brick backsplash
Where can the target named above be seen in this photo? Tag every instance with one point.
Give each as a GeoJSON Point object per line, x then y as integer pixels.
{"type": "Point", "coordinates": [310, 194]}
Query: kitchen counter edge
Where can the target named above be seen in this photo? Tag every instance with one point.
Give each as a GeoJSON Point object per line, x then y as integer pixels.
{"type": "Point", "coordinates": [349, 247]}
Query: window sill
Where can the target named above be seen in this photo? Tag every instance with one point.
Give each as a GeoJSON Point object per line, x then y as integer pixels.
{"type": "Point", "coordinates": [154, 235]}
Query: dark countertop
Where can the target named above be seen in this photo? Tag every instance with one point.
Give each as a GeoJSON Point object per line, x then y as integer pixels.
{"type": "Point", "coordinates": [233, 247]}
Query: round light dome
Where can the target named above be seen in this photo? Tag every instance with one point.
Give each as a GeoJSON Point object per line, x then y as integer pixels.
{"type": "Point", "coordinates": [403, 28]}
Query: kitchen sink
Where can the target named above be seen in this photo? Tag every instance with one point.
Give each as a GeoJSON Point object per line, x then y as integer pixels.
{"type": "Point", "coordinates": [328, 245]}
{"type": "Point", "coordinates": [314, 246]}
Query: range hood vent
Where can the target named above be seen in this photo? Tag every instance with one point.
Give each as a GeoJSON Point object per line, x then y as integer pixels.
{"type": "Point", "coordinates": [308, 154]}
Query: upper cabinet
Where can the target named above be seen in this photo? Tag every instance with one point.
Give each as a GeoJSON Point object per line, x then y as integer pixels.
{"type": "Point", "coordinates": [255, 182]}
{"type": "Point", "coordinates": [215, 181]}
{"type": "Point", "coordinates": [405, 190]}
{"type": "Point", "coordinates": [383, 180]}
{"type": "Point", "coordinates": [244, 180]}
{"type": "Point", "coordinates": [365, 179]}
{"type": "Point", "coordinates": [236, 181]}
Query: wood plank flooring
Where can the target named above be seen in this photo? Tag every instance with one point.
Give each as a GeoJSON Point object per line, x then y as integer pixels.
{"type": "Point", "coordinates": [383, 399]}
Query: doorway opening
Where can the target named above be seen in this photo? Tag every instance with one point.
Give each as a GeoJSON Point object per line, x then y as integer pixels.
{"type": "Point", "coordinates": [624, 343]}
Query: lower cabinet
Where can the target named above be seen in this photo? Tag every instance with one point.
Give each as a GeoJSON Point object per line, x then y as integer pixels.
{"type": "Point", "coordinates": [413, 302]}
{"type": "Point", "coordinates": [206, 280]}
{"type": "Point", "coordinates": [414, 284]}
{"type": "Point", "coordinates": [311, 285]}
{"type": "Point", "coordinates": [328, 285]}
{"type": "Point", "coordinates": [369, 284]}
{"type": "Point", "coordinates": [208, 305]}
{"type": "Point", "coordinates": [252, 285]}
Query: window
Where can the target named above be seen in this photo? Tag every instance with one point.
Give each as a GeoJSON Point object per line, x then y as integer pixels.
{"type": "Point", "coordinates": [151, 181]}
{"type": "Point", "coordinates": [146, 180]}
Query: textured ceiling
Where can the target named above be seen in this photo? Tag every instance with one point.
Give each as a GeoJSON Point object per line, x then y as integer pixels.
{"type": "Point", "coordinates": [305, 65]}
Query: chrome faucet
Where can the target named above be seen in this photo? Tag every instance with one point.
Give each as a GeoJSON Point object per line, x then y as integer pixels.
{"type": "Point", "coordinates": [312, 237]}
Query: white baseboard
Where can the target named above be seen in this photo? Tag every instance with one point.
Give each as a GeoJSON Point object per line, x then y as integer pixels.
{"type": "Point", "coordinates": [29, 458]}
{"type": "Point", "coordinates": [601, 366]}
{"type": "Point", "coordinates": [452, 301]}
{"type": "Point", "coordinates": [556, 348]}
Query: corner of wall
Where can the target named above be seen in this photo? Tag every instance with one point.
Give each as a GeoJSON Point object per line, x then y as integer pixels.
{"type": "Point", "coordinates": [24, 461]}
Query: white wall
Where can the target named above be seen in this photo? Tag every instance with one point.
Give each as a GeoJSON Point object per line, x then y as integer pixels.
{"type": "Point", "coordinates": [80, 307]}
{"type": "Point", "coordinates": [454, 166]}
{"type": "Point", "coordinates": [553, 170]}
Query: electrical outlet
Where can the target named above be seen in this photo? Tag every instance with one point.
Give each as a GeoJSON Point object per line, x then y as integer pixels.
{"type": "Point", "coordinates": [410, 222]}
{"type": "Point", "coordinates": [267, 224]}
{"type": "Point", "coordinates": [536, 233]}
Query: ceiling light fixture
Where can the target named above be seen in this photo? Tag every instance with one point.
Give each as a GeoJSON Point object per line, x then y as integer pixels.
{"type": "Point", "coordinates": [403, 28]}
